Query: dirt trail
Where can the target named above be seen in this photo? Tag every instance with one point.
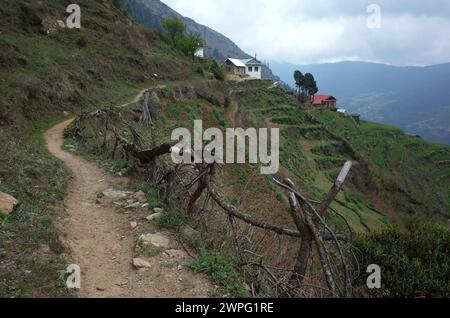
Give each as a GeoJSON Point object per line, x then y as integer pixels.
{"type": "Point", "coordinates": [101, 241]}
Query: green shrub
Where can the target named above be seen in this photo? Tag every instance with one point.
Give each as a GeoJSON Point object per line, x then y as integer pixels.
{"type": "Point", "coordinates": [220, 118]}
{"type": "Point", "coordinates": [151, 193]}
{"type": "Point", "coordinates": [221, 269]}
{"type": "Point", "coordinates": [174, 218]}
{"type": "Point", "coordinates": [217, 71]}
{"type": "Point", "coordinates": [188, 44]}
{"type": "Point", "coordinates": [82, 42]}
{"type": "Point", "coordinates": [329, 162]}
{"type": "Point", "coordinates": [414, 262]}
{"type": "Point", "coordinates": [327, 149]}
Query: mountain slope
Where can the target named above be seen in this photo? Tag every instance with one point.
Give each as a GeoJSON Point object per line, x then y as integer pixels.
{"type": "Point", "coordinates": [151, 12]}
{"type": "Point", "coordinates": [394, 176]}
{"type": "Point", "coordinates": [48, 73]}
{"type": "Point", "coordinates": [417, 99]}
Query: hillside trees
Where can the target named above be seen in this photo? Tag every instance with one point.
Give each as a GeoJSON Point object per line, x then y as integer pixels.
{"type": "Point", "coordinates": [306, 86]}
{"type": "Point", "coordinates": [311, 85]}
{"type": "Point", "coordinates": [174, 29]}
{"type": "Point", "coordinates": [188, 44]}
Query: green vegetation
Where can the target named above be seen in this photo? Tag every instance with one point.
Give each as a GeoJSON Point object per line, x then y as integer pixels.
{"type": "Point", "coordinates": [31, 251]}
{"type": "Point", "coordinates": [43, 75]}
{"type": "Point", "coordinates": [329, 162]}
{"type": "Point", "coordinates": [45, 71]}
{"type": "Point", "coordinates": [219, 74]}
{"type": "Point", "coordinates": [189, 44]}
{"type": "Point", "coordinates": [173, 219]}
{"type": "Point", "coordinates": [148, 250]}
{"type": "Point", "coordinates": [414, 261]}
{"type": "Point", "coordinates": [406, 166]}
{"type": "Point", "coordinates": [306, 86]}
{"type": "Point", "coordinates": [151, 193]}
{"type": "Point", "coordinates": [221, 268]}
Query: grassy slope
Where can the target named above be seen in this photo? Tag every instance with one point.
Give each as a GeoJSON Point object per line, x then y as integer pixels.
{"type": "Point", "coordinates": [312, 153]}
{"type": "Point", "coordinates": [42, 75]}
{"type": "Point", "coordinates": [413, 174]}
{"type": "Point", "coordinates": [394, 175]}
{"type": "Point", "coordinates": [108, 61]}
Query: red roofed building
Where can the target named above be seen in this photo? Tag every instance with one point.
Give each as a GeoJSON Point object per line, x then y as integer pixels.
{"type": "Point", "coordinates": [324, 100]}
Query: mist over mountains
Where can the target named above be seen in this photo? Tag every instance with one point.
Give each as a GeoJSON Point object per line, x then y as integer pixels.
{"type": "Point", "coordinates": [417, 99]}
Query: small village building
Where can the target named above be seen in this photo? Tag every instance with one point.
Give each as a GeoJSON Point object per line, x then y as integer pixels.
{"type": "Point", "coordinates": [253, 68]}
{"type": "Point", "coordinates": [235, 66]}
{"type": "Point", "coordinates": [327, 101]}
{"type": "Point", "coordinates": [250, 67]}
{"type": "Point", "coordinates": [200, 52]}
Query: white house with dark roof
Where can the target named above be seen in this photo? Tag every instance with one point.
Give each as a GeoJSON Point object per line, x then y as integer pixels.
{"type": "Point", "coordinates": [251, 67]}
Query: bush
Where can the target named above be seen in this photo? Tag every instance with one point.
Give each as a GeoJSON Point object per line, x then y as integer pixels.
{"type": "Point", "coordinates": [82, 42]}
{"type": "Point", "coordinates": [217, 71]}
{"type": "Point", "coordinates": [151, 192]}
{"type": "Point", "coordinates": [175, 31]}
{"type": "Point", "coordinates": [221, 269]}
{"type": "Point", "coordinates": [172, 219]}
{"type": "Point", "coordinates": [414, 262]}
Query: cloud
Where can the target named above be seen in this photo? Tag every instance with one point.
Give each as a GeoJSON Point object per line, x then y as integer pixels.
{"type": "Point", "coordinates": [413, 32]}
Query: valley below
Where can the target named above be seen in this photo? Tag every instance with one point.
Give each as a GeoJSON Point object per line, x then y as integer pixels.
{"type": "Point", "coordinates": [412, 98]}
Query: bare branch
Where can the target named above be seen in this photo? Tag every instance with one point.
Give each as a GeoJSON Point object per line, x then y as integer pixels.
{"type": "Point", "coordinates": [232, 210]}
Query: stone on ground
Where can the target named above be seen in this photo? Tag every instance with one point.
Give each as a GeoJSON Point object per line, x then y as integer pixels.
{"type": "Point", "coordinates": [153, 217]}
{"type": "Point", "coordinates": [7, 203]}
{"type": "Point", "coordinates": [140, 196]}
{"type": "Point", "coordinates": [157, 240]}
{"type": "Point", "coordinates": [158, 210]}
{"type": "Point", "coordinates": [140, 262]}
{"type": "Point", "coordinates": [189, 232]}
{"type": "Point", "coordinates": [116, 194]}
{"type": "Point", "coordinates": [133, 206]}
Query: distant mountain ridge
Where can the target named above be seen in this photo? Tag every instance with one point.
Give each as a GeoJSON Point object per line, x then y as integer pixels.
{"type": "Point", "coordinates": [417, 99]}
{"type": "Point", "coordinates": [151, 12]}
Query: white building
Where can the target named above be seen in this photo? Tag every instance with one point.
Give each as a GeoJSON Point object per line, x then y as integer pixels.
{"type": "Point", "coordinates": [251, 67]}
{"type": "Point", "coordinates": [200, 52]}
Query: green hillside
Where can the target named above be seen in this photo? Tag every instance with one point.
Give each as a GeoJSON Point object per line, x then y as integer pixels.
{"type": "Point", "coordinates": [48, 73]}
{"type": "Point", "coordinates": [315, 144]}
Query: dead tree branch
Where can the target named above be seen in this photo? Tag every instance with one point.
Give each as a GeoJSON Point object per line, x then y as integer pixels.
{"type": "Point", "coordinates": [308, 228]}
{"type": "Point", "coordinates": [232, 210]}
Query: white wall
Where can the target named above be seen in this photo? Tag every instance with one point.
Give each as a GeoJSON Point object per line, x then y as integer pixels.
{"type": "Point", "coordinates": [200, 52]}
{"type": "Point", "coordinates": [253, 73]}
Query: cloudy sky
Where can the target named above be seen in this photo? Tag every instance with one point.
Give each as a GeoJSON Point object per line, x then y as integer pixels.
{"type": "Point", "coordinates": [412, 32]}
